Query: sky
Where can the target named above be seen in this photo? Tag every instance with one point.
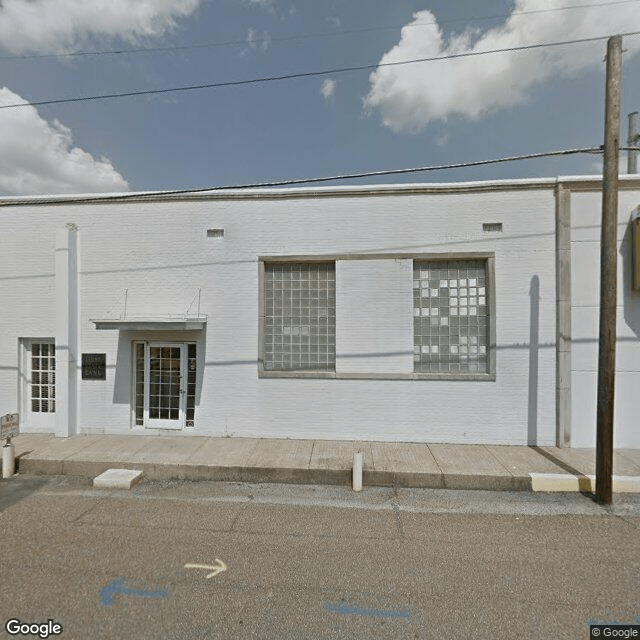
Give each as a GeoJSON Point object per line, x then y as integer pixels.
{"type": "Point", "coordinates": [388, 116]}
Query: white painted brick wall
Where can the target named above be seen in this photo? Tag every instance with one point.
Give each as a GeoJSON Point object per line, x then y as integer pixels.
{"type": "Point", "coordinates": [27, 292]}
{"type": "Point", "coordinates": [159, 251]}
{"type": "Point", "coordinates": [374, 332]}
{"type": "Point", "coordinates": [586, 216]}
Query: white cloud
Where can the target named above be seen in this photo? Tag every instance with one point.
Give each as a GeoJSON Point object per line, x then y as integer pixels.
{"type": "Point", "coordinates": [258, 40]}
{"type": "Point", "coordinates": [265, 4]}
{"type": "Point", "coordinates": [442, 139]}
{"type": "Point", "coordinates": [62, 26]}
{"type": "Point", "coordinates": [408, 97]}
{"type": "Point", "coordinates": [328, 88]}
{"type": "Point", "coordinates": [37, 157]}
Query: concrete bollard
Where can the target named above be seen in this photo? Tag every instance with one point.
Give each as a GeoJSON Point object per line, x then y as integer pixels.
{"type": "Point", "coordinates": [357, 471]}
{"type": "Point", "coordinates": [8, 460]}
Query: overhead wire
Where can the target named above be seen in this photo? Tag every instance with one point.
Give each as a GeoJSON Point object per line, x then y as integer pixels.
{"type": "Point", "coordinates": [308, 74]}
{"type": "Point", "coordinates": [301, 181]}
{"type": "Point", "coordinates": [326, 34]}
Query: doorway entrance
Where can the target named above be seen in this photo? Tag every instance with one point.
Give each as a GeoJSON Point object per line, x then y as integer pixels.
{"type": "Point", "coordinates": [164, 384]}
{"type": "Point", "coordinates": [38, 384]}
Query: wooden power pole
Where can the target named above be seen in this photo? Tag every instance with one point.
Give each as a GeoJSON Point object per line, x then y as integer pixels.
{"type": "Point", "coordinates": [633, 141]}
{"type": "Point", "coordinates": [608, 276]}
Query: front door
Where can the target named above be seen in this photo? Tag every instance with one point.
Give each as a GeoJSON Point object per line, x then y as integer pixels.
{"type": "Point", "coordinates": [161, 384]}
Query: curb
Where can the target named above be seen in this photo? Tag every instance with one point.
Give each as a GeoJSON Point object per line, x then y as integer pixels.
{"type": "Point", "coordinates": [565, 482]}
{"type": "Point", "coordinates": [341, 476]}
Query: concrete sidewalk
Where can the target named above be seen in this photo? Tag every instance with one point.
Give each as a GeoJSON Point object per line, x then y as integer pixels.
{"type": "Point", "coordinates": [491, 467]}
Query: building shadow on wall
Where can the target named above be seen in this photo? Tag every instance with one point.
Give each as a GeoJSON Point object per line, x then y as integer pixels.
{"type": "Point", "coordinates": [534, 347]}
{"type": "Point", "coordinates": [122, 389]}
{"type": "Point", "coordinates": [123, 383]}
{"type": "Point", "coordinates": [630, 298]}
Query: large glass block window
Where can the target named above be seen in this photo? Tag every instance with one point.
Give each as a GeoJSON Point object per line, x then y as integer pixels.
{"type": "Point", "coordinates": [450, 316]}
{"type": "Point", "coordinates": [300, 316]}
{"type": "Point", "coordinates": [43, 377]}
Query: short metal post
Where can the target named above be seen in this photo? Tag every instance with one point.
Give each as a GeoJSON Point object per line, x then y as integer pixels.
{"type": "Point", "coordinates": [8, 459]}
{"type": "Point", "coordinates": [357, 471]}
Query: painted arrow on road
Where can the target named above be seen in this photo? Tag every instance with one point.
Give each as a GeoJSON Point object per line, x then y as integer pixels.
{"type": "Point", "coordinates": [215, 570]}
{"type": "Point", "coordinates": [117, 587]}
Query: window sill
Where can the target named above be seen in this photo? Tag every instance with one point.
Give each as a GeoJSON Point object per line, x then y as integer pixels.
{"type": "Point", "coordinates": [333, 375]}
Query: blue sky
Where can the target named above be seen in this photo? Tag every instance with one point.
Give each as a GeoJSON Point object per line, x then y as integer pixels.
{"type": "Point", "coordinates": [409, 115]}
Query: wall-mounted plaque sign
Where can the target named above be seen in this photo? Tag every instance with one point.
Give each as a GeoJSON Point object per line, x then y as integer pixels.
{"type": "Point", "coordinates": [94, 366]}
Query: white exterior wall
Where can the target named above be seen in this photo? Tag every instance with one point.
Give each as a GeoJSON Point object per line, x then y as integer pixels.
{"type": "Point", "coordinates": [586, 217]}
{"type": "Point", "coordinates": [160, 253]}
{"type": "Point", "coordinates": [374, 332]}
{"type": "Point", "coordinates": [27, 295]}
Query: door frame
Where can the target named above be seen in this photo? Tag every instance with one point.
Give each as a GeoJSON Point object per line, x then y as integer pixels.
{"type": "Point", "coordinates": [36, 421]}
{"type": "Point", "coordinates": [157, 423]}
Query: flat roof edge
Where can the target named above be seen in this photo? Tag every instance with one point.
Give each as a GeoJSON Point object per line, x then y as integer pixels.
{"type": "Point", "coordinates": [593, 182]}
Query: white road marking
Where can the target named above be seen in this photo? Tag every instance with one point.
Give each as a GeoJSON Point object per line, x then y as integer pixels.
{"type": "Point", "coordinates": [215, 570]}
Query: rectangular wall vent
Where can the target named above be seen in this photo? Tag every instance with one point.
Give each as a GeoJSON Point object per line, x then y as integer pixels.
{"type": "Point", "coordinates": [492, 226]}
{"type": "Point", "coordinates": [215, 233]}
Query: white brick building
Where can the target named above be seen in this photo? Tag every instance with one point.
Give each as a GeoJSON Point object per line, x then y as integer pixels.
{"type": "Point", "coordinates": [425, 313]}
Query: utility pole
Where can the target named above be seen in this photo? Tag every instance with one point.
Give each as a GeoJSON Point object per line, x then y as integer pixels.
{"type": "Point", "coordinates": [608, 275]}
{"type": "Point", "coordinates": [633, 140]}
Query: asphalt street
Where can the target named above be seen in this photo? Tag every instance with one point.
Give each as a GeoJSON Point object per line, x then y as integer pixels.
{"type": "Point", "coordinates": [179, 560]}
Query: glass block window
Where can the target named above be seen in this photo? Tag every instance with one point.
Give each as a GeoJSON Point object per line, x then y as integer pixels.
{"type": "Point", "coordinates": [191, 384]}
{"type": "Point", "coordinates": [43, 377]}
{"type": "Point", "coordinates": [300, 316]}
{"type": "Point", "coordinates": [450, 316]}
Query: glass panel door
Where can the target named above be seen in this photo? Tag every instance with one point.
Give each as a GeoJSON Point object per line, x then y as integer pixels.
{"type": "Point", "coordinates": [164, 387]}
{"type": "Point", "coordinates": [39, 388]}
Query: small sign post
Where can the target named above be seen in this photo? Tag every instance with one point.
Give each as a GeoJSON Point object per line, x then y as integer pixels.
{"type": "Point", "coordinates": [9, 428]}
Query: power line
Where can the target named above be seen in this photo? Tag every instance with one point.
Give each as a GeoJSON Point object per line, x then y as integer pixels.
{"type": "Point", "coordinates": [245, 42]}
{"type": "Point", "coordinates": [308, 74]}
{"type": "Point", "coordinates": [283, 183]}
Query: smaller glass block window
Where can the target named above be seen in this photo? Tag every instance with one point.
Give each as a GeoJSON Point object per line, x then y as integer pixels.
{"type": "Point", "coordinates": [191, 384]}
{"type": "Point", "coordinates": [450, 316]}
{"type": "Point", "coordinates": [300, 316]}
{"type": "Point", "coordinates": [43, 377]}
